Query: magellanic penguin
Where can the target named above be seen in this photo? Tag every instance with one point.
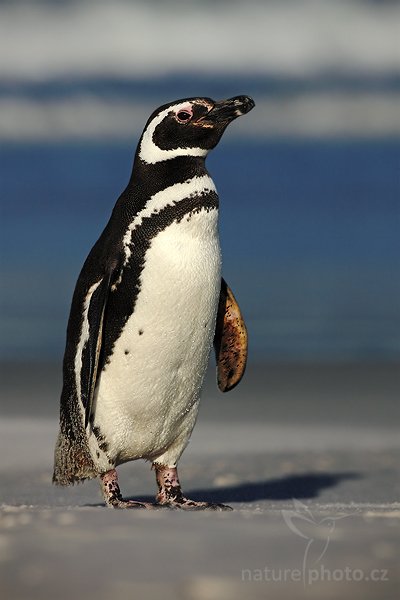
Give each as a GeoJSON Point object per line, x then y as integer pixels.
{"type": "Point", "coordinates": [148, 304]}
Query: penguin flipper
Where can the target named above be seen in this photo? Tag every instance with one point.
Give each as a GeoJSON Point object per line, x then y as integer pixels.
{"type": "Point", "coordinates": [230, 340]}
{"type": "Point", "coordinates": [97, 305]}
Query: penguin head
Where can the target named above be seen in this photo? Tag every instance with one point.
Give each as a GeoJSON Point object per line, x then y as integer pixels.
{"type": "Point", "coordinates": [189, 127]}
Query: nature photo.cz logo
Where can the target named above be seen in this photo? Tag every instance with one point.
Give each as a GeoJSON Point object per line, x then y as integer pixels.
{"type": "Point", "coordinates": [317, 534]}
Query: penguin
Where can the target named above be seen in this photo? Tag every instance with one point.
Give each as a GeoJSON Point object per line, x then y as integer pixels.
{"type": "Point", "coordinates": [147, 308]}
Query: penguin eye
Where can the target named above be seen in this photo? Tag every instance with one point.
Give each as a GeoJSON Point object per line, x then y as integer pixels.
{"type": "Point", "coordinates": [183, 116]}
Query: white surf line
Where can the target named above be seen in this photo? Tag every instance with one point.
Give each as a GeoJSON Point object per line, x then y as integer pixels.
{"type": "Point", "coordinates": [324, 115]}
{"type": "Point", "coordinates": [279, 37]}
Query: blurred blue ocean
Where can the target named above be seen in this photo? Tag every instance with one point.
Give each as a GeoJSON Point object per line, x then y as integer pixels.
{"type": "Point", "coordinates": [310, 237]}
{"type": "Point", "coordinates": [309, 181]}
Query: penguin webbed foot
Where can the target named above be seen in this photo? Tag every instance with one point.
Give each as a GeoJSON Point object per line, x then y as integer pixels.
{"type": "Point", "coordinates": [170, 492]}
{"type": "Point", "coordinates": [131, 504]}
{"type": "Point", "coordinates": [112, 493]}
{"type": "Point", "coordinates": [184, 503]}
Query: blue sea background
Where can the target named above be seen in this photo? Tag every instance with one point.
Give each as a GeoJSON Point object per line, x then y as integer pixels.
{"type": "Point", "coordinates": [310, 197]}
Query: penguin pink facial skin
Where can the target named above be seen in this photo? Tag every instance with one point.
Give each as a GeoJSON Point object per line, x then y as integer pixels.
{"type": "Point", "coordinates": [148, 305]}
{"type": "Point", "coordinates": [184, 114]}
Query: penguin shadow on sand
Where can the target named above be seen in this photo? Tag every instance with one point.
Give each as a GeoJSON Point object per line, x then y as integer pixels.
{"type": "Point", "coordinates": [302, 486]}
{"type": "Point", "coordinates": [305, 485]}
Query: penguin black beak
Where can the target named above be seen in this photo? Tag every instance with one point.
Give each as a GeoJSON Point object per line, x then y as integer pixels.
{"type": "Point", "coordinates": [226, 111]}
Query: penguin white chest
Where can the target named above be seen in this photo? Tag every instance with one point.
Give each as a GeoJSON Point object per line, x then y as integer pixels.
{"type": "Point", "coordinates": [147, 397]}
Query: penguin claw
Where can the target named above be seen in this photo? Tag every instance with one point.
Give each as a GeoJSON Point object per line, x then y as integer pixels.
{"type": "Point", "coordinates": [186, 504]}
{"type": "Point", "coordinates": [222, 507]}
{"type": "Point", "coordinates": [206, 506]}
{"type": "Point", "coordinates": [132, 504]}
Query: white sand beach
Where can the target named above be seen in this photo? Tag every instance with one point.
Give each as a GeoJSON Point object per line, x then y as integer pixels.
{"type": "Point", "coordinates": [320, 443]}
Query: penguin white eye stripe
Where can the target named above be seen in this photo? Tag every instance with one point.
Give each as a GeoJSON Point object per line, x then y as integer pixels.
{"type": "Point", "coordinates": [150, 153]}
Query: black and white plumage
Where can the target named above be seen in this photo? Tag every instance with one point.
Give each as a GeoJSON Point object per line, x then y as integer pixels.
{"type": "Point", "coordinates": [146, 308]}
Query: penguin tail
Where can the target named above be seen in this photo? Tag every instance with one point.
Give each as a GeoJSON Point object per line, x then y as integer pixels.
{"type": "Point", "coordinates": [72, 461]}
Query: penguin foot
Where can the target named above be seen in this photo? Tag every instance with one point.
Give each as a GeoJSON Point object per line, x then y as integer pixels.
{"type": "Point", "coordinates": [183, 503]}
{"type": "Point", "coordinates": [170, 492]}
{"type": "Point", "coordinates": [132, 504]}
{"type": "Point", "coordinates": [112, 493]}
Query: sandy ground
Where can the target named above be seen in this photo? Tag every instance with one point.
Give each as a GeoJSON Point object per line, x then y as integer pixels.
{"type": "Point", "coordinates": [307, 456]}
